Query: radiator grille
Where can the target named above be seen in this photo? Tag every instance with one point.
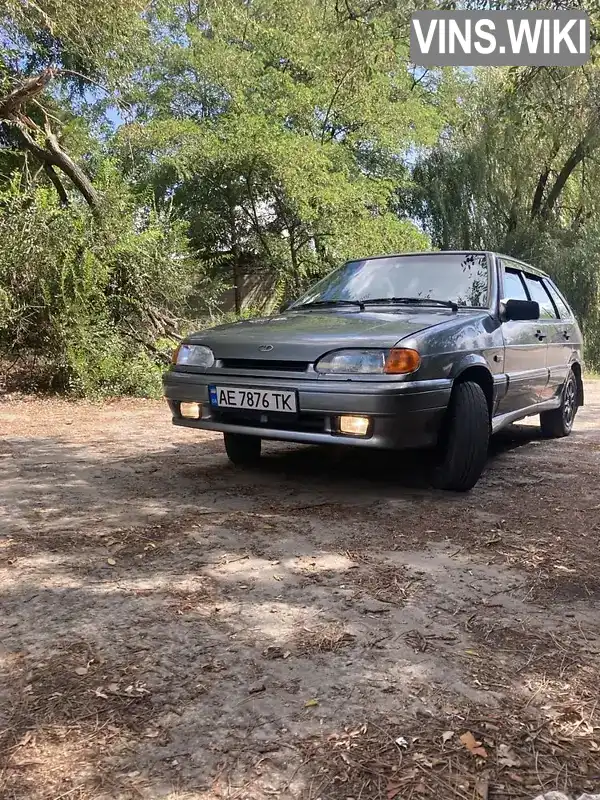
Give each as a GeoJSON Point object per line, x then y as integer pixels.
{"type": "Point", "coordinates": [263, 364]}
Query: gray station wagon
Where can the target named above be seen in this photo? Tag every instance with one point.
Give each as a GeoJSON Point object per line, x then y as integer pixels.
{"type": "Point", "coordinates": [436, 350]}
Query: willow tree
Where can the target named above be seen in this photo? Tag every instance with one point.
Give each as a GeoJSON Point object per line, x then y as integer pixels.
{"type": "Point", "coordinates": [519, 173]}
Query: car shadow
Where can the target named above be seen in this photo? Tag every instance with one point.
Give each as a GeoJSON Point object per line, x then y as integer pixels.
{"type": "Point", "coordinates": [407, 468]}
{"type": "Point", "coordinates": [513, 437]}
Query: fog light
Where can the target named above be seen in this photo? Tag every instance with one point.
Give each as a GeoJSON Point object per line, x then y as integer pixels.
{"type": "Point", "coordinates": [190, 410]}
{"type": "Point", "coordinates": [354, 426]}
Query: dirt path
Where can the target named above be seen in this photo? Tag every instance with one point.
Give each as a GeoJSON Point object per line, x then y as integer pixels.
{"type": "Point", "coordinates": [315, 628]}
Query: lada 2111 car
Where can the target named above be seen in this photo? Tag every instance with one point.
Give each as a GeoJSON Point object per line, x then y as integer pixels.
{"type": "Point", "coordinates": [436, 350]}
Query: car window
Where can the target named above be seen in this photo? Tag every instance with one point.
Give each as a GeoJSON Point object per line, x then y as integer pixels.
{"type": "Point", "coordinates": [538, 293]}
{"type": "Point", "coordinates": [513, 286]}
{"type": "Point", "coordinates": [564, 311]}
{"type": "Point", "coordinates": [462, 278]}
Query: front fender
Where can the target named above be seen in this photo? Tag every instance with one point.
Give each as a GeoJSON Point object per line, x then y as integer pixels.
{"type": "Point", "coordinates": [467, 361]}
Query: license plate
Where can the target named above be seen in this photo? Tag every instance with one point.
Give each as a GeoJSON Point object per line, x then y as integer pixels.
{"type": "Point", "coordinates": [255, 399]}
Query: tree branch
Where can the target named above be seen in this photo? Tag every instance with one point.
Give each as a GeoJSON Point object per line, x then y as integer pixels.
{"type": "Point", "coordinates": [536, 203]}
{"type": "Point", "coordinates": [577, 155]}
{"type": "Point", "coordinates": [53, 156]}
{"type": "Point", "coordinates": [65, 163]}
{"type": "Point", "coordinates": [332, 101]}
{"type": "Point", "coordinates": [58, 185]}
{"type": "Point", "coordinates": [11, 103]}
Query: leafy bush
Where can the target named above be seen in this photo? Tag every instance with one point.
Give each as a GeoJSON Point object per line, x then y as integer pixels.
{"type": "Point", "coordinates": [84, 302]}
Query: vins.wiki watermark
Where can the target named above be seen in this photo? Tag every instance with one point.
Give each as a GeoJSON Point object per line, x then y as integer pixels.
{"type": "Point", "coordinates": [499, 38]}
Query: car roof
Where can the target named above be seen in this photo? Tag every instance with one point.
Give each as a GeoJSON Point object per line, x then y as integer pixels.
{"type": "Point", "coordinates": [424, 253]}
{"type": "Point", "coordinates": [527, 267]}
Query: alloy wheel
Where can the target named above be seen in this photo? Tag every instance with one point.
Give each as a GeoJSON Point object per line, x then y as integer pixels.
{"type": "Point", "coordinates": [569, 403]}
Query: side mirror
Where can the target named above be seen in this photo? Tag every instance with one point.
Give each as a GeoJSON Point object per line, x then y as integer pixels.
{"type": "Point", "coordinates": [520, 310]}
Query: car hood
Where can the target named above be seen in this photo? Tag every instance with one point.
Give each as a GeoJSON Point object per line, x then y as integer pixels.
{"type": "Point", "coordinates": [307, 335]}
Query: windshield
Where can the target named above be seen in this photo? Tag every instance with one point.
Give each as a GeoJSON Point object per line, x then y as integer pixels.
{"type": "Point", "coordinates": [461, 278]}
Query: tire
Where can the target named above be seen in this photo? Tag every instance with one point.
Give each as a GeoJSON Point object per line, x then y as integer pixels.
{"type": "Point", "coordinates": [242, 450]}
{"type": "Point", "coordinates": [464, 439]}
{"type": "Point", "coordinates": [559, 422]}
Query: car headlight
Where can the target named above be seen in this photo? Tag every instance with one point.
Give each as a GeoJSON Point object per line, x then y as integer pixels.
{"type": "Point", "coordinates": [194, 355]}
{"type": "Point", "coordinates": [397, 361]}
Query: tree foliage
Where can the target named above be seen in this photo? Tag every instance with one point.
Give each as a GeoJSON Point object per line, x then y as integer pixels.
{"type": "Point", "coordinates": [155, 154]}
{"type": "Point", "coordinates": [84, 306]}
{"type": "Point", "coordinates": [278, 130]}
{"type": "Point", "coordinates": [520, 175]}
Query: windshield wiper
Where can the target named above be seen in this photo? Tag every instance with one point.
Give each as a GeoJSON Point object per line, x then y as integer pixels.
{"type": "Point", "coordinates": [331, 303]}
{"type": "Point", "coordinates": [410, 301]}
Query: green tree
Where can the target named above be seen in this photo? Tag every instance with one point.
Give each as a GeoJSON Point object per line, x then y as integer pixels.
{"type": "Point", "coordinates": [518, 173]}
{"type": "Point", "coordinates": [92, 278]}
{"type": "Point", "coordinates": [51, 51]}
{"type": "Point", "coordinates": [280, 132]}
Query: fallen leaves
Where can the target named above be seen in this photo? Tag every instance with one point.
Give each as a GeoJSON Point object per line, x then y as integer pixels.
{"type": "Point", "coordinates": [311, 703]}
{"type": "Point", "coordinates": [393, 790]}
{"type": "Point", "coordinates": [133, 690]}
{"type": "Point", "coordinates": [482, 787]}
{"type": "Point", "coordinates": [472, 745]}
{"type": "Point", "coordinates": [273, 651]}
{"type": "Point", "coordinates": [507, 757]}
{"type": "Point", "coordinates": [421, 758]}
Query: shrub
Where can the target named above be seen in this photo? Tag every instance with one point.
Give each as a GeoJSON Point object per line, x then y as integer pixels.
{"type": "Point", "coordinates": [82, 302]}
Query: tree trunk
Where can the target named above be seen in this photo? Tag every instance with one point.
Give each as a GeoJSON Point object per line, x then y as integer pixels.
{"type": "Point", "coordinates": [538, 196]}
{"type": "Point", "coordinates": [237, 294]}
{"type": "Point", "coordinates": [235, 252]}
{"type": "Point", "coordinates": [536, 203]}
{"type": "Point", "coordinates": [294, 258]}
{"type": "Point", "coordinates": [583, 148]}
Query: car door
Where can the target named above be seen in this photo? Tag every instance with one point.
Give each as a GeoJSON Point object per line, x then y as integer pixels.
{"type": "Point", "coordinates": [546, 330]}
{"type": "Point", "coordinates": [562, 342]}
{"type": "Point", "coordinates": [525, 346]}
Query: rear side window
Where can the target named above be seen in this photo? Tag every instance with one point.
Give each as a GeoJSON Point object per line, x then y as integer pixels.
{"type": "Point", "coordinates": [538, 293]}
{"type": "Point", "coordinates": [513, 286]}
{"type": "Point", "coordinates": [564, 311]}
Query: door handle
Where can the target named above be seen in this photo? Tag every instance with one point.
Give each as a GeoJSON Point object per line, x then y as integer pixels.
{"type": "Point", "coordinates": [540, 335]}
{"type": "Point", "coordinates": [566, 335]}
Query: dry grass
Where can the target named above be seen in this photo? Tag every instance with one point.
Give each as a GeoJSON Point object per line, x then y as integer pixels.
{"type": "Point", "coordinates": [326, 637]}
{"type": "Point", "coordinates": [489, 629]}
{"type": "Point", "coordinates": [387, 583]}
{"type": "Point", "coordinates": [67, 714]}
{"type": "Point", "coordinates": [516, 758]}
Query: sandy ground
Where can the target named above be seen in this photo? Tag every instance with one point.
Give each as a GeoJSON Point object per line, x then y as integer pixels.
{"type": "Point", "coordinates": [322, 626]}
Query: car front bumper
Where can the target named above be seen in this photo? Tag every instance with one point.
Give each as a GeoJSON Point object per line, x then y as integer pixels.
{"type": "Point", "coordinates": [403, 414]}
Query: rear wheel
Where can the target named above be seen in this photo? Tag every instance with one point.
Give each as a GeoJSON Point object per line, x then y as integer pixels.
{"type": "Point", "coordinates": [464, 439]}
{"type": "Point", "coordinates": [242, 450]}
{"type": "Point", "coordinates": [559, 421]}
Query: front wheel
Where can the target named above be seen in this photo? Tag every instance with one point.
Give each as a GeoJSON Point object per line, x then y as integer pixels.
{"type": "Point", "coordinates": [559, 421]}
{"type": "Point", "coordinates": [464, 439]}
{"type": "Point", "coordinates": [242, 450]}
